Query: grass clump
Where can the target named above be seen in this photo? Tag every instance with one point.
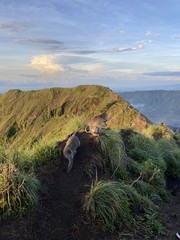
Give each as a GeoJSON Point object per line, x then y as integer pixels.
{"type": "Point", "coordinates": [113, 149]}
{"type": "Point", "coordinates": [74, 123]}
{"type": "Point", "coordinates": [18, 190]}
{"type": "Point", "coordinates": [28, 159]}
{"type": "Point", "coordinates": [108, 203]}
{"type": "Point", "coordinates": [143, 148]}
{"type": "Point", "coordinates": [111, 202]}
{"type": "Point", "coordinates": [158, 131]}
{"type": "Point", "coordinates": [147, 162]}
{"type": "Point", "coordinates": [171, 154]}
{"type": "Point", "coordinates": [42, 153]}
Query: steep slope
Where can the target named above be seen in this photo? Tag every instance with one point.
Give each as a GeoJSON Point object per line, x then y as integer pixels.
{"type": "Point", "coordinates": [28, 116]}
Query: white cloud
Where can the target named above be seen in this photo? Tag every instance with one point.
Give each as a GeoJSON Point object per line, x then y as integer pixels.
{"type": "Point", "coordinates": [139, 45]}
{"type": "Point", "coordinates": [152, 34]}
{"type": "Point", "coordinates": [45, 63]}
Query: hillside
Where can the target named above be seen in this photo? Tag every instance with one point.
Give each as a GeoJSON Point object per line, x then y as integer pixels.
{"type": "Point", "coordinates": [60, 213]}
{"type": "Point", "coordinates": [26, 117]}
{"type": "Point", "coordinates": [158, 106]}
{"type": "Point", "coordinates": [120, 180]}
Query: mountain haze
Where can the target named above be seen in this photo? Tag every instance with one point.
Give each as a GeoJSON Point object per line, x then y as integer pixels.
{"type": "Point", "coordinates": [28, 116]}
{"type": "Point", "coordinates": [158, 106]}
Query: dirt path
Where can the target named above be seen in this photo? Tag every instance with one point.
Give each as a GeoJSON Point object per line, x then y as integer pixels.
{"type": "Point", "coordinates": [59, 214]}
{"type": "Point", "coordinates": [170, 215]}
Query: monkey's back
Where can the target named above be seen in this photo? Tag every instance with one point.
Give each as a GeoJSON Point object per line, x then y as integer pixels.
{"type": "Point", "coordinates": [95, 121]}
{"type": "Point", "coordinates": [73, 142]}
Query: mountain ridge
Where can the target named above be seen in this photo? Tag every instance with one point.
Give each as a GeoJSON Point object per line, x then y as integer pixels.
{"type": "Point", "coordinates": [27, 116]}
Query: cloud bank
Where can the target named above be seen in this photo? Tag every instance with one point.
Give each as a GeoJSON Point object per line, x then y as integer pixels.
{"type": "Point", "coordinates": [38, 41]}
{"type": "Point", "coordinates": [12, 26]}
{"type": "Point", "coordinates": [163, 74]}
{"type": "Point", "coordinates": [45, 64]}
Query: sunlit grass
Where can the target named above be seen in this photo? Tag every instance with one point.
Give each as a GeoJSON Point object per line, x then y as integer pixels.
{"type": "Point", "coordinates": [18, 190]}
{"type": "Point", "coordinates": [113, 149]}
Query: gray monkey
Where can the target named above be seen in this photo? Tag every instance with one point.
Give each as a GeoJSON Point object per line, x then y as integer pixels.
{"type": "Point", "coordinates": [70, 150]}
{"type": "Point", "coordinates": [96, 123]}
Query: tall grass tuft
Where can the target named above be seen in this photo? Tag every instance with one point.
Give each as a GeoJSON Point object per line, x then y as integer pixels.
{"type": "Point", "coordinates": [111, 202]}
{"type": "Point", "coordinates": [158, 132]}
{"type": "Point", "coordinates": [108, 203]}
{"type": "Point", "coordinates": [171, 154]}
{"type": "Point", "coordinates": [143, 148]}
{"type": "Point", "coordinates": [113, 149]}
{"type": "Point", "coordinates": [18, 190]}
{"type": "Point", "coordinates": [73, 124]}
{"type": "Point", "coordinates": [42, 153]}
{"type": "Point", "coordinates": [150, 164]}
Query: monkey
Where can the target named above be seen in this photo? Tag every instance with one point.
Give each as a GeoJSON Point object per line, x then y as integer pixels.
{"type": "Point", "coordinates": [70, 150]}
{"type": "Point", "coordinates": [97, 122]}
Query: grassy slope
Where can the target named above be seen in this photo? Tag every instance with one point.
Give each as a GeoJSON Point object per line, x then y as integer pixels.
{"type": "Point", "coordinates": [28, 116]}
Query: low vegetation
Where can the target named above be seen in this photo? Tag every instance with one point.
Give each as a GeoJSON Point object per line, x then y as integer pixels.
{"type": "Point", "coordinates": [18, 190]}
{"type": "Point", "coordinates": [133, 174]}
{"type": "Point", "coordinates": [19, 187]}
{"type": "Point", "coordinates": [136, 180]}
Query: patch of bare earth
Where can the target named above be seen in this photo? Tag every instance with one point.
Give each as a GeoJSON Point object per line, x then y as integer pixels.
{"type": "Point", "coordinates": [59, 214]}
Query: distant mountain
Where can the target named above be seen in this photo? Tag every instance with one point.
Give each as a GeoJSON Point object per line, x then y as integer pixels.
{"type": "Point", "coordinates": [157, 105]}
{"type": "Point", "coordinates": [28, 116]}
{"type": "Point", "coordinates": [134, 88]}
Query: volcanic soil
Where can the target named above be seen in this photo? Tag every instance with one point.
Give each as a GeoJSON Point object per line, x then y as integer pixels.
{"type": "Point", "coordinates": [59, 214]}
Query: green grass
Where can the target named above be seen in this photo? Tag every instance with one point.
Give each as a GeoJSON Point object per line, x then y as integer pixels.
{"type": "Point", "coordinates": [108, 203]}
{"type": "Point", "coordinates": [138, 166]}
{"type": "Point", "coordinates": [111, 202]}
{"type": "Point", "coordinates": [113, 149]}
{"type": "Point", "coordinates": [143, 148]}
{"type": "Point", "coordinates": [170, 152]}
{"type": "Point", "coordinates": [24, 122]}
{"type": "Point", "coordinates": [18, 190]}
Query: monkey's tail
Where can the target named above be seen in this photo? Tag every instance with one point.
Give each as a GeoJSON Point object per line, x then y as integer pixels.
{"type": "Point", "coordinates": [70, 164]}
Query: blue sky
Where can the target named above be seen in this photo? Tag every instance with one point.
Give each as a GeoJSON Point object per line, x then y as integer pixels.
{"type": "Point", "coordinates": [122, 44]}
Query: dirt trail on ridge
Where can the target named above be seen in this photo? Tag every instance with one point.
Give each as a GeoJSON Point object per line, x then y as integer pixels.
{"type": "Point", "coordinates": [59, 214]}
